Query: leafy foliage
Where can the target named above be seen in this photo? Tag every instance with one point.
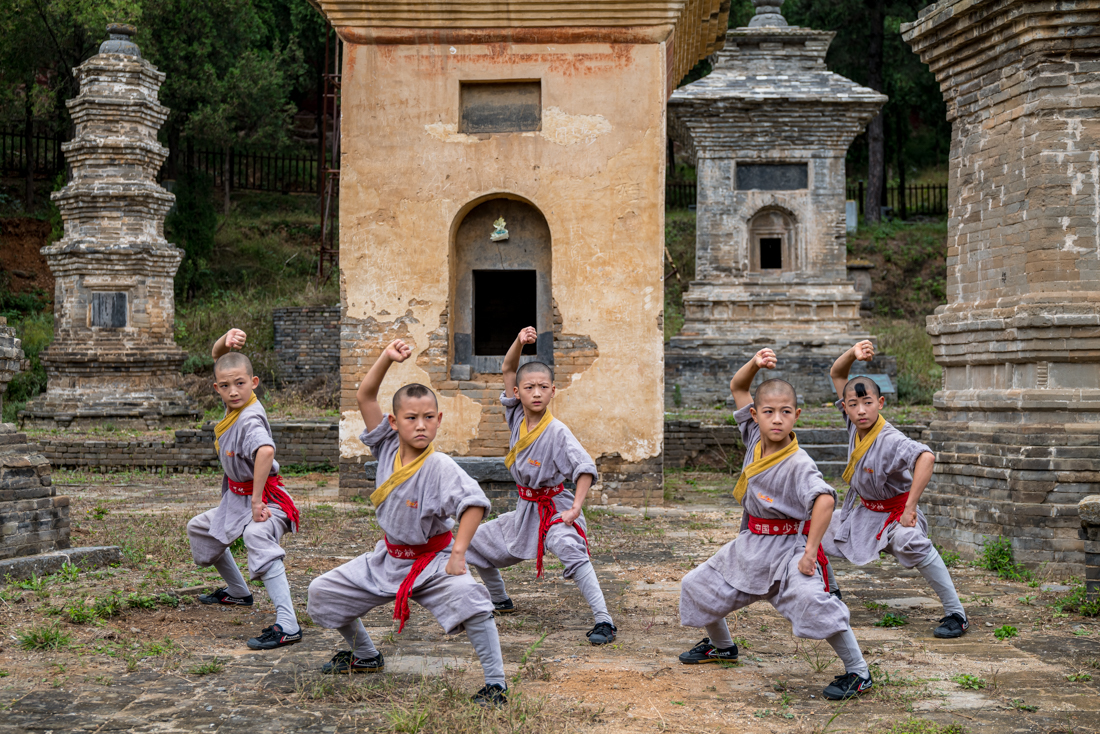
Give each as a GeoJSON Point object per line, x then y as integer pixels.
{"type": "Point", "coordinates": [191, 226]}
{"type": "Point", "coordinates": [1078, 601]}
{"type": "Point", "coordinates": [996, 556]}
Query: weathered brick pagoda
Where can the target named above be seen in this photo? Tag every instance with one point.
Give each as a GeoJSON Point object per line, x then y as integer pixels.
{"type": "Point", "coordinates": [769, 127]}
{"type": "Point", "coordinates": [1017, 431]}
{"type": "Point", "coordinates": [113, 358]}
{"type": "Point", "coordinates": [551, 117]}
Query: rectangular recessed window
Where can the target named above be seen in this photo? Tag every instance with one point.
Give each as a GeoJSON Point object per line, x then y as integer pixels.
{"type": "Point", "coordinates": [504, 303]}
{"type": "Point", "coordinates": [109, 310]}
{"type": "Point", "coordinates": [773, 176]}
{"type": "Point", "coordinates": [771, 253]}
{"type": "Point", "coordinates": [500, 107]}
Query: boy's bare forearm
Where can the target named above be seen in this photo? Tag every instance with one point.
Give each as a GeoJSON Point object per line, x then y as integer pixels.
{"type": "Point", "coordinates": [511, 365]}
{"type": "Point", "coordinates": [367, 395]}
{"type": "Point", "coordinates": [219, 348]}
{"type": "Point", "coordinates": [922, 474]}
{"type": "Point", "coordinates": [265, 457]}
{"type": "Point", "coordinates": [742, 382]}
{"type": "Point", "coordinates": [840, 370]}
{"type": "Point", "coordinates": [820, 518]}
{"type": "Point", "coordinates": [584, 483]}
{"type": "Point", "coordinates": [467, 526]}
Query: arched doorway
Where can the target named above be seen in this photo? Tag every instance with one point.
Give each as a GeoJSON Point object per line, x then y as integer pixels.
{"type": "Point", "coordinates": [501, 286]}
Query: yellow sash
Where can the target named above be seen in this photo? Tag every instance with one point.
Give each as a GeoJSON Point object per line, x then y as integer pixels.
{"type": "Point", "coordinates": [227, 422]}
{"type": "Point", "coordinates": [400, 474]}
{"type": "Point", "coordinates": [862, 447]}
{"type": "Point", "coordinates": [759, 466]}
{"type": "Point", "coordinates": [525, 438]}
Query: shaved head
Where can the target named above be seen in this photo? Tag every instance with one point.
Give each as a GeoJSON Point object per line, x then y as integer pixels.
{"type": "Point", "coordinates": [776, 388]}
{"type": "Point", "coordinates": [412, 390]}
{"type": "Point", "coordinates": [534, 367]}
{"type": "Point", "coordinates": [233, 361]}
{"type": "Point", "coordinates": [862, 387]}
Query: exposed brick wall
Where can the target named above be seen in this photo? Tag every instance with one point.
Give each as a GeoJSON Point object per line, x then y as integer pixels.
{"type": "Point", "coordinates": [32, 518]}
{"type": "Point", "coordinates": [307, 342]}
{"type": "Point", "coordinates": [314, 444]}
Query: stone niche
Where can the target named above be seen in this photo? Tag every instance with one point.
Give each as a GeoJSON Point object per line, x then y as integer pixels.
{"type": "Point", "coordinates": [461, 114]}
{"type": "Point", "coordinates": [1017, 427]}
{"type": "Point", "coordinates": [769, 128]}
{"type": "Point", "coordinates": [113, 358]}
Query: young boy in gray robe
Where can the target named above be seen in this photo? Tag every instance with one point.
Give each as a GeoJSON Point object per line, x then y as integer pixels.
{"type": "Point", "coordinates": [544, 455]}
{"type": "Point", "coordinates": [887, 472]}
{"type": "Point", "coordinates": [776, 556]}
{"type": "Point", "coordinates": [419, 558]}
{"type": "Point", "coordinates": [254, 505]}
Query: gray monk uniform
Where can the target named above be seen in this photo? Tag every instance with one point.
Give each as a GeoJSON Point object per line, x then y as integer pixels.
{"type": "Point", "coordinates": [754, 567]}
{"type": "Point", "coordinates": [416, 511]}
{"type": "Point", "coordinates": [211, 532]}
{"type": "Point", "coordinates": [883, 473]}
{"type": "Point", "coordinates": [556, 456]}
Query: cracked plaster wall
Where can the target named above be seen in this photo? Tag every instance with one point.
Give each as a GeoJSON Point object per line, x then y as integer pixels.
{"type": "Point", "coordinates": [595, 171]}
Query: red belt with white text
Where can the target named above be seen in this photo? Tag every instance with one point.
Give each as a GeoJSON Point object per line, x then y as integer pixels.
{"type": "Point", "coordinates": [785, 526]}
{"type": "Point", "coordinates": [544, 496]}
{"type": "Point", "coordinates": [274, 494]}
{"type": "Point", "coordinates": [422, 555]}
{"type": "Point", "coordinates": [895, 506]}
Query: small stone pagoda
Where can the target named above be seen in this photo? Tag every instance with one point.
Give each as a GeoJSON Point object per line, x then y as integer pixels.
{"type": "Point", "coordinates": [32, 519]}
{"type": "Point", "coordinates": [113, 358]}
{"type": "Point", "coordinates": [769, 128]}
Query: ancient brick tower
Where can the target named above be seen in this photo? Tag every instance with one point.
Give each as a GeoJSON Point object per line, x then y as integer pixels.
{"type": "Point", "coordinates": [113, 358]}
{"type": "Point", "coordinates": [1017, 429]}
{"type": "Point", "coordinates": [769, 127]}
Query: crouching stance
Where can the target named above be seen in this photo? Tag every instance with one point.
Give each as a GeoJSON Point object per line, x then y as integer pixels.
{"type": "Point", "coordinates": [887, 472]}
{"type": "Point", "coordinates": [254, 505]}
{"type": "Point", "coordinates": [544, 454]}
{"type": "Point", "coordinates": [418, 490]}
{"type": "Point", "coordinates": [776, 555]}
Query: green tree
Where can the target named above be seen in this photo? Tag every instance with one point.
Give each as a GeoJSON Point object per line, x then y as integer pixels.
{"type": "Point", "coordinates": [192, 225]}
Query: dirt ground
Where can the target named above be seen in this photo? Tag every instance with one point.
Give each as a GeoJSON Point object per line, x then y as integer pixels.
{"type": "Point", "coordinates": [21, 239]}
{"type": "Point", "coordinates": [137, 661]}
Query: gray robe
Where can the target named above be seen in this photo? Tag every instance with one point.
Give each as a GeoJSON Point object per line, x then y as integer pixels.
{"type": "Point", "coordinates": [754, 567]}
{"type": "Point", "coordinates": [211, 532]}
{"type": "Point", "coordinates": [555, 457]}
{"type": "Point", "coordinates": [417, 510]}
{"type": "Point", "coordinates": [884, 472]}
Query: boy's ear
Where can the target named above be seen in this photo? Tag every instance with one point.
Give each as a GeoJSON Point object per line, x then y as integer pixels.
{"type": "Point", "coordinates": [881, 402]}
{"type": "Point", "coordinates": [255, 382]}
{"type": "Point", "coordinates": [797, 412]}
{"type": "Point", "coordinates": [752, 412]}
{"type": "Point", "coordinates": [393, 422]}
{"type": "Point", "coordinates": [439, 418]}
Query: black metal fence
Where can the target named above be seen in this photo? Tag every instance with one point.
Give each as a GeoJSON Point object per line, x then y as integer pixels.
{"type": "Point", "coordinates": [247, 170]}
{"type": "Point", "coordinates": [926, 199]}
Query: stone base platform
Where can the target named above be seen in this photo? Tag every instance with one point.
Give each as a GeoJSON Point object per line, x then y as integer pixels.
{"type": "Point", "coordinates": [43, 564]}
{"type": "Point", "coordinates": [702, 369]}
{"type": "Point", "coordinates": [139, 409]}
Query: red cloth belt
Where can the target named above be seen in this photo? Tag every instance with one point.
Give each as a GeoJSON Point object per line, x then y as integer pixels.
{"type": "Point", "coordinates": [273, 494]}
{"type": "Point", "coordinates": [422, 555]}
{"type": "Point", "coordinates": [895, 506]}
{"type": "Point", "coordinates": [544, 496]}
{"type": "Point", "coordinates": [785, 526]}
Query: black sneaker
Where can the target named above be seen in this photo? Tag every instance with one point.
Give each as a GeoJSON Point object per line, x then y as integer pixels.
{"type": "Point", "coordinates": [952, 626]}
{"type": "Point", "coordinates": [345, 662]}
{"type": "Point", "coordinates": [837, 594]}
{"type": "Point", "coordinates": [273, 637]}
{"type": "Point", "coordinates": [602, 633]}
{"type": "Point", "coordinates": [491, 695]}
{"type": "Point", "coordinates": [705, 652]}
{"type": "Point", "coordinates": [221, 596]}
{"type": "Point", "coordinates": [848, 685]}
{"type": "Point", "coordinates": [503, 607]}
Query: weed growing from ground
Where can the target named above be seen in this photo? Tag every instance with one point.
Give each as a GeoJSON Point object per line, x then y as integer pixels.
{"type": "Point", "coordinates": [1079, 677]}
{"type": "Point", "coordinates": [892, 619]}
{"type": "Point", "coordinates": [1077, 601]}
{"type": "Point", "coordinates": [875, 606]}
{"type": "Point", "coordinates": [208, 668]}
{"type": "Point", "coordinates": [44, 637]}
{"type": "Point", "coordinates": [971, 682]}
{"type": "Point", "coordinates": [996, 556]}
{"type": "Point", "coordinates": [1005, 632]}
{"type": "Point", "coordinates": [923, 726]}
{"type": "Point", "coordinates": [1020, 705]}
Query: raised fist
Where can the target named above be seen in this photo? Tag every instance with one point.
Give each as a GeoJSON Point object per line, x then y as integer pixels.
{"type": "Point", "coordinates": [398, 351]}
{"type": "Point", "coordinates": [235, 338]}
{"type": "Point", "coordinates": [528, 335]}
{"type": "Point", "coordinates": [864, 351]}
{"type": "Point", "coordinates": [765, 359]}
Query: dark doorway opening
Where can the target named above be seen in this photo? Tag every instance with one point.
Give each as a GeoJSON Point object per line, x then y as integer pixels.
{"type": "Point", "coordinates": [771, 253]}
{"type": "Point", "coordinates": [504, 303]}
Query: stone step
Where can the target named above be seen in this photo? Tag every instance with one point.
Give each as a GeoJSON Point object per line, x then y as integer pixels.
{"type": "Point", "coordinates": [826, 451]}
{"type": "Point", "coordinates": [810, 436]}
{"type": "Point", "coordinates": [831, 469]}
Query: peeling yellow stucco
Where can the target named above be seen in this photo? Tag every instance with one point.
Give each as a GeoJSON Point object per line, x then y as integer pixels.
{"type": "Point", "coordinates": [596, 174]}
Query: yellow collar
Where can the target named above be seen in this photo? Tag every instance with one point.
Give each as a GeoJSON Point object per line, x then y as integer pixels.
{"type": "Point", "coordinates": [525, 438]}
{"type": "Point", "coordinates": [863, 445]}
{"type": "Point", "coordinates": [759, 466]}
{"type": "Point", "coordinates": [400, 474]}
{"type": "Point", "coordinates": [227, 422]}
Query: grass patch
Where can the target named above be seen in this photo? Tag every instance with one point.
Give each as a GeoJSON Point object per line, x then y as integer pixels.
{"type": "Point", "coordinates": [996, 556]}
{"type": "Point", "coordinates": [970, 682]}
{"type": "Point", "coordinates": [919, 376]}
{"type": "Point", "coordinates": [680, 246]}
{"type": "Point", "coordinates": [892, 619]}
{"type": "Point", "coordinates": [43, 637]}
{"type": "Point", "coordinates": [1077, 601]}
{"type": "Point", "coordinates": [910, 275]}
{"type": "Point", "coordinates": [923, 726]}
{"type": "Point", "coordinates": [210, 667]}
